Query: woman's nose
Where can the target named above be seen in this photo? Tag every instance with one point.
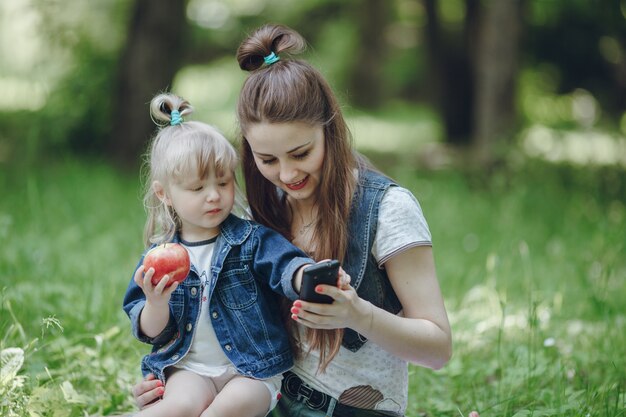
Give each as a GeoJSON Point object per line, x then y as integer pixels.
{"type": "Point", "coordinates": [288, 173]}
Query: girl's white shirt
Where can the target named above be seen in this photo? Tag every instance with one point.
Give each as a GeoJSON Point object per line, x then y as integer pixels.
{"type": "Point", "coordinates": [205, 356]}
{"type": "Point", "coordinates": [381, 378]}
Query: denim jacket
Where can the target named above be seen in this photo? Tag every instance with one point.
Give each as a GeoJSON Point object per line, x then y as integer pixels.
{"type": "Point", "coordinates": [371, 283]}
{"type": "Point", "coordinates": [250, 264]}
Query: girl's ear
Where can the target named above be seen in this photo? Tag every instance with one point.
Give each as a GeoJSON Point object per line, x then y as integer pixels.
{"type": "Point", "coordinates": [159, 191]}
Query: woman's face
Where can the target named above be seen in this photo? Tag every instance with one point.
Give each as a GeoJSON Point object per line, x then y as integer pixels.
{"type": "Point", "coordinates": [290, 155]}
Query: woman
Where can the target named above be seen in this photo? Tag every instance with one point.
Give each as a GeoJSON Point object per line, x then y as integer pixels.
{"type": "Point", "coordinates": [304, 180]}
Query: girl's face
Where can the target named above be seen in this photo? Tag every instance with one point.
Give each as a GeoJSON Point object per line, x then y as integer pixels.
{"type": "Point", "coordinates": [202, 204]}
{"type": "Point", "coordinates": [290, 155]}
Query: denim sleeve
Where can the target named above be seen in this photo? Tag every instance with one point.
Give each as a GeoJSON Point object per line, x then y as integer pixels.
{"type": "Point", "coordinates": [134, 301]}
{"type": "Point", "coordinates": [276, 260]}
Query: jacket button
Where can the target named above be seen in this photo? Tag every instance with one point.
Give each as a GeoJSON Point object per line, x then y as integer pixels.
{"type": "Point", "coordinates": [194, 291]}
{"type": "Point", "coordinates": [228, 348]}
{"type": "Point", "coordinates": [189, 327]}
{"type": "Point", "coordinates": [176, 356]}
{"type": "Point", "coordinates": [215, 315]}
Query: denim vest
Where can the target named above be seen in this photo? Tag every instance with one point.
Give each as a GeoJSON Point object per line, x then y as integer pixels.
{"type": "Point", "coordinates": [371, 283]}
{"type": "Point", "coordinates": [250, 264]}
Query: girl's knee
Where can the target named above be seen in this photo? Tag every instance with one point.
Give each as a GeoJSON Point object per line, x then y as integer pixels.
{"type": "Point", "coordinates": [184, 406]}
{"type": "Point", "coordinates": [240, 398]}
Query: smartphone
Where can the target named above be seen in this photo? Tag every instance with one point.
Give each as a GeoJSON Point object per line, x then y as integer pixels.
{"type": "Point", "coordinates": [321, 273]}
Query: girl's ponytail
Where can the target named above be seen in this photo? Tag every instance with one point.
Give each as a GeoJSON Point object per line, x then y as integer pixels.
{"type": "Point", "coordinates": [169, 109]}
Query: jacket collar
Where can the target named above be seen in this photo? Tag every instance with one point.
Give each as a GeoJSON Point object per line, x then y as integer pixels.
{"type": "Point", "coordinates": [234, 230]}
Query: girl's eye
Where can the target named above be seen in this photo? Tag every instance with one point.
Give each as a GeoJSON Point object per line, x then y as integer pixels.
{"type": "Point", "coordinates": [199, 188]}
{"type": "Point", "coordinates": [301, 155]}
{"type": "Point", "coordinates": [268, 161]}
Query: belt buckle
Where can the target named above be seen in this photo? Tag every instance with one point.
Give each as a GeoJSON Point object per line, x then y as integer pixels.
{"type": "Point", "coordinates": [313, 401]}
{"type": "Point", "coordinates": [304, 391]}
{"type": "Point", "coordinates": [295, 387]}
{"type": "Point", "coordinates": [318, 402]}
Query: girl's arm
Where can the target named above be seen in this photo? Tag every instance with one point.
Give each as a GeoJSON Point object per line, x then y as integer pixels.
{"type": "Point", "coordinates": [156, 312]}
{"type": "Point", "coordinates": [421, 334]}
{"type": "Point", "coordinates": [278, 262]}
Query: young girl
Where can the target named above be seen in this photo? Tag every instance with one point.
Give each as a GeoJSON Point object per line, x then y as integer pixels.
{"type": "Point", "coordinates": [218, 340]}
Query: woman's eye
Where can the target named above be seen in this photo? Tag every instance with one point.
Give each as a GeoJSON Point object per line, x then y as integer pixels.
{"type": "Point", "coordinates": [268, 161]}
{"type": "Point", "coordinates": [199, 188]}
{"type": "Point", "coordinates": [301, 155]}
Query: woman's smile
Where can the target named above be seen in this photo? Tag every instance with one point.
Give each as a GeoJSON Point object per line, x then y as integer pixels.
{"type": "Point", "coordinates": [295, 186]}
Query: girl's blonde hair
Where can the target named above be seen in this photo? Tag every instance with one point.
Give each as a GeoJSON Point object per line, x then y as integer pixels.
{"type": "Point", "coordinates": [185, 149]}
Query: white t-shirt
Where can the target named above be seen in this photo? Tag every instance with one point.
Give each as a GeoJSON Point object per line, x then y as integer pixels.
{"type": "Point", "coordinates": [205, 356]}
{"type": "Point", "coordinates": [383, 383]}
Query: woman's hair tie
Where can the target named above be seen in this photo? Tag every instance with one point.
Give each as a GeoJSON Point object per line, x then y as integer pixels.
{"type": "Point", "coordinates": [271, 58]}
{"type": "Point", "coordinates": [176, 119]}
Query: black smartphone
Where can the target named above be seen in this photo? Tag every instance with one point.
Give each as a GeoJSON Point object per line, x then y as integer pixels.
{"type": "Point", "coordinates": [321, 273]}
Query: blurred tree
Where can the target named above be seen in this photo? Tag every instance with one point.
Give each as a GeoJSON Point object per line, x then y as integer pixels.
{"type": "Point", "coordinates": [450, 69]}
{"type": "Point", "coordinates": [149, 61]}
{"type": "Point", "coordinates": [366, 82]}
{"type": "Point", "coordinates": [585, 43]}
{"type": "Point", "coordinates": [495, 69]}
{"type": "Point", "coordinates": [473, 67]}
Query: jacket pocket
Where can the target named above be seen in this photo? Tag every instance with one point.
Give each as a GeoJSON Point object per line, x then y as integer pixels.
{"type": "Point", "coordinates": [237, 288]}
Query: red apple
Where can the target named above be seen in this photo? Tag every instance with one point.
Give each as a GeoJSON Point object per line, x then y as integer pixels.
{"type": "Point", "coordinates": [167, 259]}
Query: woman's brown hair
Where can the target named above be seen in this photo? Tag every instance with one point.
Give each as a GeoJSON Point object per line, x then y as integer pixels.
{"type": "Point", "coordinates": [291, 90]}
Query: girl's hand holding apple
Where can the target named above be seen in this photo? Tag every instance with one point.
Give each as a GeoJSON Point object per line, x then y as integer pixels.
{"type": "Point", "coordinates": [158, 294]}
{"type": "Point", "coordinates": [156, 311]}
{"type": "Point", "coordinates": [164, 266]}
{"type": "Point", "coordinates": [168, 259]}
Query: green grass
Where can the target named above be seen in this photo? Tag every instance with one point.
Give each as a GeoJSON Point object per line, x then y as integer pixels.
{"type": "Point", "coordinates": [533, 268]}
{"type": "Point", "coordinates": [531, 262]}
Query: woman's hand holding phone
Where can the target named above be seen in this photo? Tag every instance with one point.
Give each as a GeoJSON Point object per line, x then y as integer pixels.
{"type": "Point", "coordinates": [325, 272]}
{"type": "Point", "coordinates": [333, 306]}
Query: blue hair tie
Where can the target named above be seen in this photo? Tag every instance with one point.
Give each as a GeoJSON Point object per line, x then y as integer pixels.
{"type": "Point", "coordinates": [176, 119]}
{"type": "Point", "coordinates": [271, 58]}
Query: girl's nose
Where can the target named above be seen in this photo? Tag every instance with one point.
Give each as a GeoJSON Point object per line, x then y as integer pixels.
{"type": "Point", "coordinates": [212, 194]}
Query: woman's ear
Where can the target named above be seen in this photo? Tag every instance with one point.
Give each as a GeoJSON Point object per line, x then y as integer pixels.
{"type": "Point", "coordinates": [159, 191]}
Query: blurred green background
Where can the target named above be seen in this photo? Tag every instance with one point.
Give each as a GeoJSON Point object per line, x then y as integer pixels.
{"type": "Point", "coordinates": [506, 118]}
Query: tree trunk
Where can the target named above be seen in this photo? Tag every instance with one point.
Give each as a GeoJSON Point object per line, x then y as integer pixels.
{"type": "Point", "coordinates": [148, 64]}
{"type": "Point", "coordinates": [434, 51]}
{"type": "Point", "coordinates": [496, 70]}
{"type": "Point", "coordinates": [451, 71]}
{"type": "Point", "coordinates": [366, 84]}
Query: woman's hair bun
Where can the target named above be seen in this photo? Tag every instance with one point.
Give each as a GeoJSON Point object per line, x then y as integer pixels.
{"type": "Point", "coordinates": [265, 40]}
